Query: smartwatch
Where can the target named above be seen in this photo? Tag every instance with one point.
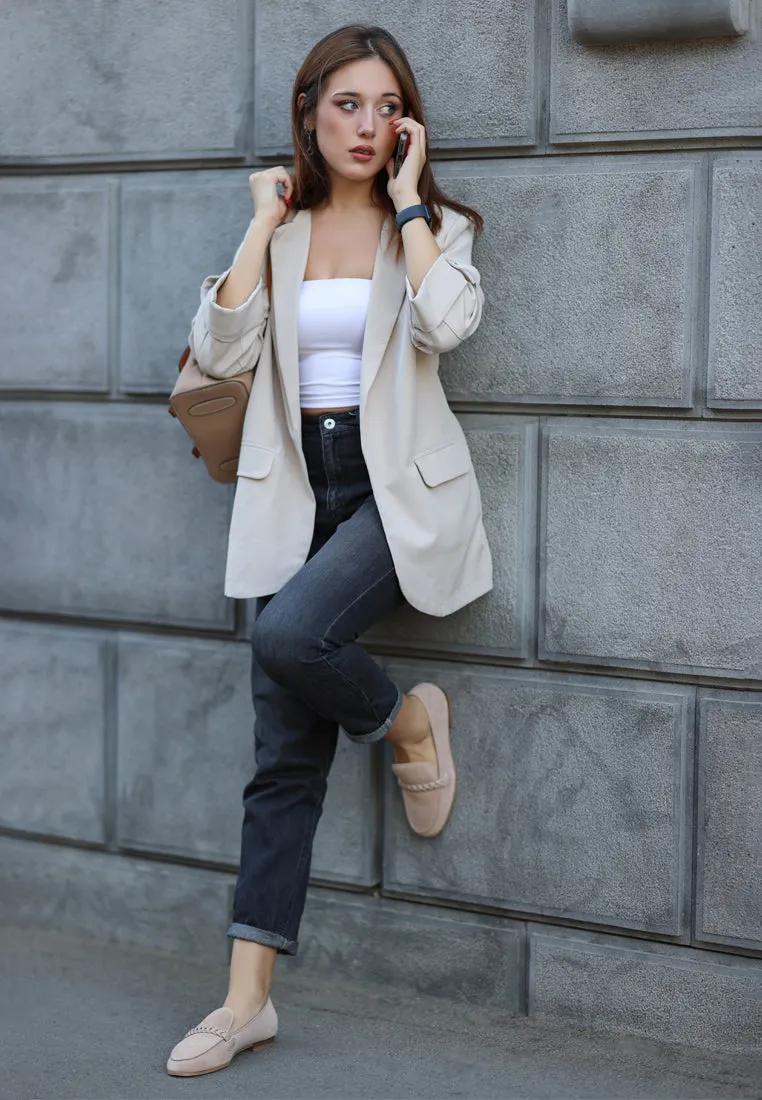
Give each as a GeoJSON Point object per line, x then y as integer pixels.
{"type": "Point", "coordinates": [420, 210]}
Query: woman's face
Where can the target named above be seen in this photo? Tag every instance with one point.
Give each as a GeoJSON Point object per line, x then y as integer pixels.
{"type": "Point", "coordinates": [354, 109]}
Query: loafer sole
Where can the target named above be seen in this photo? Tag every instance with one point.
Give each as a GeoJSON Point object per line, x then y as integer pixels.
{"type": "Point", "coordinates": [454, 773]}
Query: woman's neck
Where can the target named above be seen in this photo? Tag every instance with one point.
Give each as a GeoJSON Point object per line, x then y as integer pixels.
{"type": "Point", "coordinates": [348, 197]}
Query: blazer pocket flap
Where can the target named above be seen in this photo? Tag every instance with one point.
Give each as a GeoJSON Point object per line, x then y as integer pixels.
{"type": "Point", "coordinates": [444, 463]}
{"type": "Point", "coordinates": [255, 461]}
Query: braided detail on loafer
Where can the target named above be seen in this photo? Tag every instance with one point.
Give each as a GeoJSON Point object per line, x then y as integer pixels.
{"type": "Point", "coordinates": [210, 1029]}
{"type": "Point", "coordinates": [432, 785]}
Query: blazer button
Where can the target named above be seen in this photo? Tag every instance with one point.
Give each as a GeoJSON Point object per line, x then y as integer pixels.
{"type": "Point", "coordinates": [329, 422]}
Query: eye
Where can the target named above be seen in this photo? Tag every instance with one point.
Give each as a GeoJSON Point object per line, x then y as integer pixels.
{"type": "Point", "coordinates": [347, 102]}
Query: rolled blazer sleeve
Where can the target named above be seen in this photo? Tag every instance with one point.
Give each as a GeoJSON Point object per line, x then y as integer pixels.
{"type": "Point", "coordinates": [448, 306]}
{"type": "Point", "coordinates": [225, 342]}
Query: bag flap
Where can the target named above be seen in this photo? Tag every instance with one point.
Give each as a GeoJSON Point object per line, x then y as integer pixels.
{"type": "Point", "coordinates": [444, 463]}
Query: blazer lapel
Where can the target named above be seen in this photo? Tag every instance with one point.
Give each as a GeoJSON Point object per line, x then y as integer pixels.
{"type": "Point", "coordinates": [289, 249]}
{"type": "Point", "coordinates": [387, 289]}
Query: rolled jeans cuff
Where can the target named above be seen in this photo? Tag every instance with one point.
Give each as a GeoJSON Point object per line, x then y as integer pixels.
{"type": "Point", "coordinates": [260, 935]}
{"type": "Point", "coordinates": [382, 730]}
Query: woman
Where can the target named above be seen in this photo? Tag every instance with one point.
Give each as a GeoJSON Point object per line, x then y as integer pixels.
{"type": "Point", "coordinates": [355, 490]}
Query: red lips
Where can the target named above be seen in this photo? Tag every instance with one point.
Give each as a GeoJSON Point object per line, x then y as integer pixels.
{"type": "Point", "coordinates": [363, 149]}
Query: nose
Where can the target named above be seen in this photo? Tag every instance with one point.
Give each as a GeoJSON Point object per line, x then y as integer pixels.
{"type": "Point", "coordinates": [367, 127]}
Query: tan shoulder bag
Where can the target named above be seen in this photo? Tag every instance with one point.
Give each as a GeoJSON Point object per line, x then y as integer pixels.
{"type": "Point", "coordinates": [212, 411]}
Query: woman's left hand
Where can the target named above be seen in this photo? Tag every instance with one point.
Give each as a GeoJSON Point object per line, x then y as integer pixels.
{"type": "Point", "coordinates": [403, 188]}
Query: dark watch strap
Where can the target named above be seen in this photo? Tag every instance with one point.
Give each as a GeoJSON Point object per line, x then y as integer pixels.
{"type": "Point", "coordinates": [420, 210]}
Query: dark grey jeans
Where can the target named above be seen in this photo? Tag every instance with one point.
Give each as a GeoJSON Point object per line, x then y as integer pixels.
{"type": "Point", "coordinates": [309, 677]}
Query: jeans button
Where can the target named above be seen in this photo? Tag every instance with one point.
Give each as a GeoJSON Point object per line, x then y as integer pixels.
{"type": "Point", "coordinates": [330, 422]}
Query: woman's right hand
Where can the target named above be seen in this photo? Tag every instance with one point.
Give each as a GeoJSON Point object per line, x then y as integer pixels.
{"type": "Point", "coordinates": [269, 207]}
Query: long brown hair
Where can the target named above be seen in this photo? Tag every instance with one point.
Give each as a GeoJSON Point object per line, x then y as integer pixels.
{"type": "Point", "coordinates": [342, 46]}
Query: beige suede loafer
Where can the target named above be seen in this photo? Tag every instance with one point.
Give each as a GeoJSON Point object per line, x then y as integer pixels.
{"type": "Point", "coordinates": [428, 792]}
{"type": "Point", "coordinates": [212, 1044]}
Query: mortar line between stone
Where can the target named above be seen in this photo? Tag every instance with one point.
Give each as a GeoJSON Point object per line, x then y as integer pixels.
{"type": "Point", "coordinates": [542, 75]}
{"type": "Point", "coordinates": [110, 742]}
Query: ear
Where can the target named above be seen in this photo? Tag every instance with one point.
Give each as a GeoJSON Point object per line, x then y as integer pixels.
{"type": "Point", "coordinates": [309, 117]}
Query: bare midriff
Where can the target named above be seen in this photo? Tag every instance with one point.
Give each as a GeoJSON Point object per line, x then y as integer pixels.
{"type": "Point", "coordinates": [317, 412]}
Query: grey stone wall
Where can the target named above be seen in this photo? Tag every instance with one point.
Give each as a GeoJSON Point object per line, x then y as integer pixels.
{"type": "Point", "coordinates": [602, 864]}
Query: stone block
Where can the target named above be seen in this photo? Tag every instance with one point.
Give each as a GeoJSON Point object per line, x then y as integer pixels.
{"type": "Point", "coordinates": [125, 80]}
{"type": "Point", "coordinates": [729, 865]}
{"type": "Point", "coordinates": [735, 318]}
{"type": "Point", "coordinates": [606, 22]}
{"type": "Point", "coordinates": [464, 958]}
{"type": "Point", "coordinates": [598, 303]}
{"type": "Point", "coordinates": [504, 452]}
{"type": "Point", "coordinates": [650, 554]}
{"type": "Point", "coordinates": [186, 752]}
{"type": "Point", "coordinates": [671, 994]}
{"type": "Point", "coordinates": [652, 91]}
{"type": "Point", "coordinates": [104, 513]}
{"type": "Point", "coordinates": [55, 307]}
{"type": "Point", "coordinates": [484, 96]}
{"type": "Point", "coordinates": [176, 229]}
{"type": "Point", "coordinates": [574, 799]}
{"type": "Point", "coordinates": [52, 731]}
{"type": "Point", "coordinates": [116, 898]}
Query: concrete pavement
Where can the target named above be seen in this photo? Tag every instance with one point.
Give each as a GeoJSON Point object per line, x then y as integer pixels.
{"type": "Point", "coordinates": [83, 1019]}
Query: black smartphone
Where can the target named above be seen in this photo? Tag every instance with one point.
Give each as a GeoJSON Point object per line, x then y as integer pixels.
{"type": "Point", "coordinates": [399, 152]}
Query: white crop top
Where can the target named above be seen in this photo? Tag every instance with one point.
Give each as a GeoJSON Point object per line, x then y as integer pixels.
{"type": "Point", "coordinates": [331, 326]}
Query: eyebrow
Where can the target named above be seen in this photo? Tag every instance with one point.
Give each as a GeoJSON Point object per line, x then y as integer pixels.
{"type": "Point", "coordinates": [359, 95]}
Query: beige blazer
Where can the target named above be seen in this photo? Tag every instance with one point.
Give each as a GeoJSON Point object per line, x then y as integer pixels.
{"type": "Point", "coordinates": [415, 450]}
